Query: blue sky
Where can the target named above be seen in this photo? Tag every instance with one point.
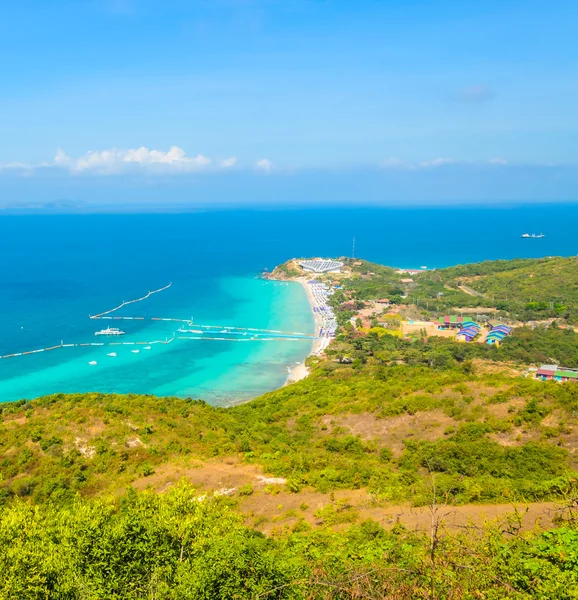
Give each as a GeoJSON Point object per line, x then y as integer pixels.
{"type": "Point", "coordinates": [265, 101]}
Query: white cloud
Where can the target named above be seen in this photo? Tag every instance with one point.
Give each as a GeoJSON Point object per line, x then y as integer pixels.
{"type": "Point", "coordinates": [436, 162]}
{"type": "Point", "coordinates": [115, 161]}
{"type": "Point", "coordinates": [106, 162]}
{"type": "Point", "coordinates": [264, 164]}
{"type": "Point", "coordinates": [15, 166]}
{"type": "Point", "coordinates": [228, 162]}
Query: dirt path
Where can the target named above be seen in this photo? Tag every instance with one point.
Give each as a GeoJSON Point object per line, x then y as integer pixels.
{"type": "Point", "coordinates": [270, 513]}
{"type": "Point", "coordinates": [470, 291]}
{"type": "Point", "coordinates": [270, 507]}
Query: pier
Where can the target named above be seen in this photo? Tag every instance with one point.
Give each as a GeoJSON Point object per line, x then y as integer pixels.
{"type": "Point", "coordinates": [221, 333]}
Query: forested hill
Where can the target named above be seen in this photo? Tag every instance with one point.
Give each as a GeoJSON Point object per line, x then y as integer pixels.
{"type": "Point", "coordinates": [384, 420]}
{"type": "Point", "coordinates": [528, 280]}
{"type": "Point", "coordinates": [523, 289]}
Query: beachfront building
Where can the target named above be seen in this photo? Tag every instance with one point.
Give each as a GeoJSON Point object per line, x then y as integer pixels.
{"type": "Point", "coordinates": [556, 373]}
{"type": "Point", "coordinates": [320, 265]}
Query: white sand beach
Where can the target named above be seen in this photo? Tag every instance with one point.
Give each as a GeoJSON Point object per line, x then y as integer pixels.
{"type": "Point", "coordinates": [300, 371]}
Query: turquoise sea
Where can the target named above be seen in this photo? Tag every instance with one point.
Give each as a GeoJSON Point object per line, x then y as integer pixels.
{"type": "Point", "coordinates": [55, 270]}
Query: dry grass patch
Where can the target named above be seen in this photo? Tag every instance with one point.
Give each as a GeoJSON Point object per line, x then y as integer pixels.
{"type": "Point", "coordinates": [208, 475]}
{"type": "Point", "coordinates": [391, 431]}
{"type": "Point", "coordinates": [274, 514]}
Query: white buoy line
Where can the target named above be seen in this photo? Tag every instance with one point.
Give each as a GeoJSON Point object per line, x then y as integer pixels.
{"type": "Point", "coordinates": [249, 334]}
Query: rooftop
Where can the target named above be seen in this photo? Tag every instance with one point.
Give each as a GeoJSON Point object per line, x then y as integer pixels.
{"type": "Point", "coordinates": [321, 266]}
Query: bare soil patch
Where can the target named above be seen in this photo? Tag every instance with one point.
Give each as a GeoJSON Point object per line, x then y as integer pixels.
{"type": "Point", "coordinates": [210, 476]}
{"type": "Point", "coordinates": [391, 431]}
{"type": "Point", "coordinates": [275, 513]}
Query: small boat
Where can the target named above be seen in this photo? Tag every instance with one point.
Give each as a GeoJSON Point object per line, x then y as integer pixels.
{"type": "Point", "coordinates": [533, 236]}
{"type": "Point", "coordinates": [92, 362]}
{"type": "Point", "coordinates": [135, 351]}
{"type": "Point", "coordinates": [111, 354]}
{"type": "Point", "coordinates": [147, 348]}
{"type": "Point", "coordinates": [109, 331]}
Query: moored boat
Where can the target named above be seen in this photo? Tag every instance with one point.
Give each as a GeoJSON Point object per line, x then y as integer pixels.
{"type": "Point", "coordinates": [109, 331]}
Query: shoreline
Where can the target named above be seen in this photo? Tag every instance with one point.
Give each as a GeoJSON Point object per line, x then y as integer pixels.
{"type": "Point", "coordinates": [300, 371]}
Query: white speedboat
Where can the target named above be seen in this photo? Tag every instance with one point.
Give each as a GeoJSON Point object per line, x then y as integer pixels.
{"type": "Point", "coordinates": [92, 362]}
{"type": "Point", "coordinates": [111, 354]}
{"type": "Point", "coordinates": [135, 351]}
{"type": "Point", "coordinates": [109, 331]}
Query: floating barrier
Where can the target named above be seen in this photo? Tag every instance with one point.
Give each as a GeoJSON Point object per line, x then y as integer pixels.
{"type": "Point", "coordinates": [259, 337]}
{"type": "Point", "coordinates": [252, 339]}
{"type": "Point", "coordinates": [230, 329]}
{"type": "Point", "coordinates": [97, 344]}
{"type": "Point", "coordinates": [245, 334]}
{"type": "Point", "coordinates": [107, 312]}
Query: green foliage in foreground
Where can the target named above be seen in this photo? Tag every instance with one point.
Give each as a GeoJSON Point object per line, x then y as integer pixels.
{"type": "Point", "coordinates": [176, 546]}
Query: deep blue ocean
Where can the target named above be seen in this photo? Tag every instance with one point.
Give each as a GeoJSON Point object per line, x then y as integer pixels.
{"type": "Point", "coordinates": [55, 270]}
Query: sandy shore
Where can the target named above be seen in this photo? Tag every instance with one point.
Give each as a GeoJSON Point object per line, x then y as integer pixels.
{"type": "Point", "coordinates": [300, 371]}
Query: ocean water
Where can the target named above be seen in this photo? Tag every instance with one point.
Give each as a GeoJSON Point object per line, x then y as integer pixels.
{"type": "Point", "coordinates": [55, 270]}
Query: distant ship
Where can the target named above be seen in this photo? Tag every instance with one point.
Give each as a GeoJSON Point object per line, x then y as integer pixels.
{"type": "Point", "coordinates": [533, 236]}
{"type": "Point", "coordinates": [109, 331]}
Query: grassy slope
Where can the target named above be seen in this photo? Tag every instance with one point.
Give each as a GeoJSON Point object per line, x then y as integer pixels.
{"type": "Point", "coordinates": [546, 280]}
{"type": "Point", "coordinates": [550, 280]}
{"type": "Point", "coordinates": [379, 427]}
{"type": "Point", "coordinates": [524, 289]}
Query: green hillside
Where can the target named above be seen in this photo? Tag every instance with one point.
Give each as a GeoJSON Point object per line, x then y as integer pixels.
{"type": "Point", "coordinates": [405, 433]}
{"type": "Point", "coordinates": [549, 280]}
{"type": "Point", "coordinates": [345, 427]}
{"type": "Point", "coordinates": [528, 289]}
{"type": "Point", "coordinates": [344, 485]}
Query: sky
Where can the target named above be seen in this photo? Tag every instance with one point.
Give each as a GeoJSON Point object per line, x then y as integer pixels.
{"type": "Point", "coordinates": [225, 102]}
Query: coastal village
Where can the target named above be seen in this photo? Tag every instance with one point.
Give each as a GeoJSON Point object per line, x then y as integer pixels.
{"type": "Point", "coordinates": [337, 291]}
